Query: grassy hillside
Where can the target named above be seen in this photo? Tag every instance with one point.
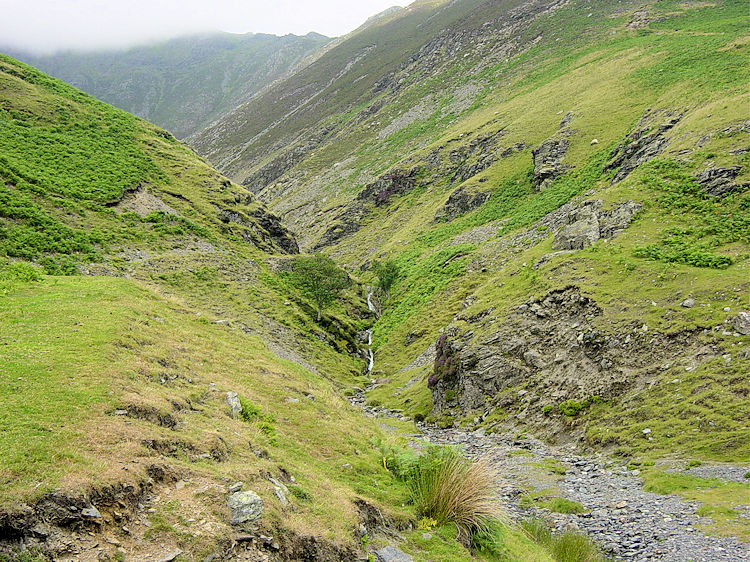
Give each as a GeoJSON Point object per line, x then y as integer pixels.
{"type": "Point", "coordinates": [185, 83]}
{"type": "Point", "coordinates": [139, 291]}
{"type": "Point", "coordinates": [530, 156]}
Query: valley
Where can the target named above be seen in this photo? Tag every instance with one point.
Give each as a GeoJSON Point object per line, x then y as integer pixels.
{"type": "Point", "coordinates": [507, 238]}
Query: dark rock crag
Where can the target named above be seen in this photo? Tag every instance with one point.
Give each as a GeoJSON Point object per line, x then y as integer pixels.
{"type": "Point", "coordinates": [643, 143]}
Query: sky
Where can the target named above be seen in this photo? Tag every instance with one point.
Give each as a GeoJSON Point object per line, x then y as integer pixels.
{"type": "Point", "coordinates": [47, 26]}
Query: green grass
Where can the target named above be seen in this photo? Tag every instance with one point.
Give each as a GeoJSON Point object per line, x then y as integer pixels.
{"type": "Point", "coordinates": [569, 546]}
{"type": "Point", "coordinates": [74, 349]}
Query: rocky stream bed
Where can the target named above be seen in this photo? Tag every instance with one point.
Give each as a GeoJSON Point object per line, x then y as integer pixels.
{"type": "Point", "coordinates": [628, 522]}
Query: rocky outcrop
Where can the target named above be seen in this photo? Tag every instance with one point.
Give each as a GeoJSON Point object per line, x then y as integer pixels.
{"type": "Point", "coordinates": [393, 183]}
{"type": "Point", "coordinates": [461, 201]}
{"type": "Point", "coordinates": [261, 228]}
{"type": "Point", "coordinates": [548, 161]}
{"type": "Point", "coordinates": [719, 182]}
{"type": "Point", "coordinates": [581, 231]}
{"type": "Point", "coordinates": [643, 143]}
{"type": "Point", "coordinates": [555, 349]}
{"type": "Point", "coordinates": [587, 223]}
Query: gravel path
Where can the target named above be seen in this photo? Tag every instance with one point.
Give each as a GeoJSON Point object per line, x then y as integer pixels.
{"type": "Point", "coordinates": [626, 521]}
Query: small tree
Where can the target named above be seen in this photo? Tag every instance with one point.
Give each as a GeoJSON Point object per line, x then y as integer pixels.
{"type": "Point", "coordinates": [387, 273]}
{"type": "Point", "coordinates": [320, 278]}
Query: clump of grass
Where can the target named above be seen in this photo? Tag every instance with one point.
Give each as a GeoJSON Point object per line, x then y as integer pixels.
{"type": "Point", "coordinates": [569, 546]}
{"type": "Point", "coordinates": [265, 422]}
{"type": "Point", "coordinates": [450, 488]}
{"type": "Point", "coordinates": [562, 505]}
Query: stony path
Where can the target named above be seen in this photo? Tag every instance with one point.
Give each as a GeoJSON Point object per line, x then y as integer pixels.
{"type": "Point", "coordinates": [626, 521]}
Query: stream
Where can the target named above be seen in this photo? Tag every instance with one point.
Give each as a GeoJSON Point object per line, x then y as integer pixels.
{"type": "Point", "coordinates": [370, 356]}
{"type": "Point", "coordinates": [626, 521]}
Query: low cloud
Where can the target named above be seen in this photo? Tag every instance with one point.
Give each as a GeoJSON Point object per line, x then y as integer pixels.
{"type": "Point", "coordinates": [46, 26]}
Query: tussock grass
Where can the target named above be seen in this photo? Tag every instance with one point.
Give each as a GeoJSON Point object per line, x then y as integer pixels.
{"type": "Point", "coordinates": [570, 546]}
{"type": "Point", "coordinates": [450, 488]}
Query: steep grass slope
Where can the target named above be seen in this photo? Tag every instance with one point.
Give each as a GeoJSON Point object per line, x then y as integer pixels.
{"type": "Point", "coordinates": [185, 83]}
{"type": "Point", "coordinates": [564, 187]}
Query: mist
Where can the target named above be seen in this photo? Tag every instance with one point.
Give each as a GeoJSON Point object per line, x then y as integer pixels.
{"type": "Point", "coordinates": [48, 26]}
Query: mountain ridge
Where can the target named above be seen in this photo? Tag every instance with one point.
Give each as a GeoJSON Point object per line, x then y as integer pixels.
{"type": "Point", "coordinates": [184, 83]}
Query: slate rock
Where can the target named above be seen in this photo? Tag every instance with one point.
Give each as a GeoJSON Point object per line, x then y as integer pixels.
{"type": "Point", "coordinates": [91, 513]}
{"type": "Point", "coordinates": [581, 231]}
{"type": "Point", "coordinates": [233, 400]}
{"type": "Point", "coordinates": [245, 507]}
{"type": "Point", "coordinates": [741, 323]}
{"type": "Point", "coordinates": [392, 554]}
{"type": "Point", "coordinates": [548, 161]}
{"type": "Point", "coordinates": [719, 182]}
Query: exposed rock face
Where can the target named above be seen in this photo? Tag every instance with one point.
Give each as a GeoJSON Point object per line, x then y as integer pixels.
{"type": "Point", "coordinates": [642, 144]}
{"type": "Point", "coordinates": [245, 507]}
{"type": "Point", "coordinates": [548, 161]}
{"type": "Point", "coordinates": [554, 347]}
{"type": "Point", "coordinates": [277, 234]}
{"type": "Point", "coordinates": [142, 202]}
{"type": "Point", "coordinates": [263, 229]}
{"type": "Point", "coordinates": [460, 202]}
{"type": "Point", "coordinates": [588, 223]}
{"type": "Point", "coordinates": [719, 182]}
{"type": "Point", "coordinates": [581, 231]}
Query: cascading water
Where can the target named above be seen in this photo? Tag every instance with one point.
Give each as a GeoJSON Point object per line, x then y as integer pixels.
{"type": "Point", "coordinates": [370, 356]}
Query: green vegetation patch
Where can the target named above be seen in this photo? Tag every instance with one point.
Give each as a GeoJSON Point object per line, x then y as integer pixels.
{"type": "Point", "coordinates": [710, 222]}
{"type": "Point", "coordinates": [721, 500]}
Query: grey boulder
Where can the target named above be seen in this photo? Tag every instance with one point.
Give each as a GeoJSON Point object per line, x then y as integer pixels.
{"type": "Point", "coordinates": [233, 400]}
{"type": "Point", "coordinates": [741, 323]}
{"type": "Point", "coordinates": [392, 554]}
{"type": "Point", "coordinates": [245, 507]}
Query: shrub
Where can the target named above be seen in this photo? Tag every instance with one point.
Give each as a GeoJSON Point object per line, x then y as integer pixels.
{"type": "Point", "coordinates": [446, 361]}
{"type": "Point", "coordinates": [20, 271]}
{"type": "Point", "coordinates": [299, 493]}
{"type": "Point", "coordinates": [571, 408]}
{"type": "Point", "coordinates": [253, 414]}
{"type": "Point", "coordinates": [387, 273]}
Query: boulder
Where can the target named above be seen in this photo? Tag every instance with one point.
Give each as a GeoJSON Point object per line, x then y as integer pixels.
{"type": "Point", "coordinates": [233, 400]}
{"type": "Point", "coordinates": [581, 231]}
{"type": "Point", "coordinates": [245, 507]}
{"type": "Point", "coordinates": [741, 323]}
{"type": "Point", "coordinates": [392, 554]}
